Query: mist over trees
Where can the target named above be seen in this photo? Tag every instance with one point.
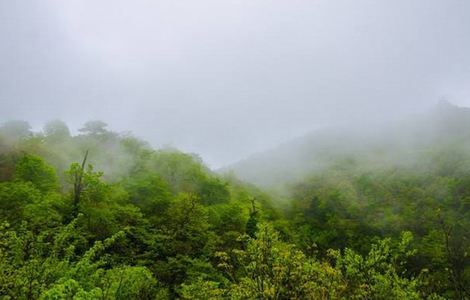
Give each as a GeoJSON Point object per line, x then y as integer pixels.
{"type": "Point", "coordinates": [102, 215]}
{"type": "Point", "coordinates": [411, 141]}
{"type": "Point", "coordinates": [236, 149]}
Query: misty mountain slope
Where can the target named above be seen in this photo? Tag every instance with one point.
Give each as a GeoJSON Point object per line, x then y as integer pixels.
{"type": "Point", "coordinates": [409, 142]}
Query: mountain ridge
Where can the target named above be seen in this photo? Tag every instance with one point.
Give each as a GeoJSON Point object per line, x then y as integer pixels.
{"type": "Point", "coordinates": [395, 142]}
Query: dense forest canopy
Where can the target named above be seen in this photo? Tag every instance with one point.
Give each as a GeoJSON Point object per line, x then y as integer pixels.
{"type": "Point", "coordinates": [102, 215]}
{"type": "Point", "coordinates": [239, 149]}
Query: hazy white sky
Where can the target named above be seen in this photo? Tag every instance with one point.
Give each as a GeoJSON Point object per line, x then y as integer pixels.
{"type": "Point", "coordinates": [228, 78]}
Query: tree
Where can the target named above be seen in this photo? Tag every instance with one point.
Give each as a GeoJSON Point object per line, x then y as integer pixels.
{"type": "Point", "coordinates": [14, 198]}
{"type": "Point", "coordinates": [188, 225]}
{"type": "Point", "coordinates": [150, 193]}
{"type": "Point", "coordinates": [33, 169]}
{"type": "Point", "coordinates": [15, 130]}
{"type": "Point", "coordinates": [94, 128]}
{"type": "Point", "coordinates": [77, 172]}
{"type": "Point", "coordinates": [271, 269]}
{"type": "Point", "coordinates": [252, 223]}
{"type": "Point", "coordinates": [56, 130]}
{"type": "Point", "coordinates": [379, 274]}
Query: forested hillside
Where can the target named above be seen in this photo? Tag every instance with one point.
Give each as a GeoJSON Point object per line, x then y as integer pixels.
{"type": "Point", "coordinates": [101, 215]}
{"type": "Point", "coordinates": [404, 141]}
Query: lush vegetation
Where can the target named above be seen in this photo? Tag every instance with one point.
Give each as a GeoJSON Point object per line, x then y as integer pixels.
{"type": "Point", "coordinates": [101, 215]}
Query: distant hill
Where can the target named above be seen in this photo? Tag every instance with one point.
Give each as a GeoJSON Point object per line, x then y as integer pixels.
{"type": "Point", "coordinates": [401, 143]}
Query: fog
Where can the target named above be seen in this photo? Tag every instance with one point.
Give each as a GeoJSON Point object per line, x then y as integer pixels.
{"type": "Point", "coordinates": [226, 79]}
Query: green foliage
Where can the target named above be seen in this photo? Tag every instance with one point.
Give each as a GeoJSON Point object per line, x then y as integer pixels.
{"type": "Point", "coordinates": [187, 225]}
{"type": "Point", "coordinates": [7, 164]}
{"type": "Point", "coordinates": [202, 290]}
{"type": "Point", "coordinates": [185, 173]}
{"type": "Point", "coordinates": [148, 192]}
{"type": "Point", "coordinates": [160, 225]}
{"type": "Point", "coordinates": [252, 224]}
{"type": "Point", "coordinates": [378, 275]}
{"type": "Point", "coordinates": [33, 169]}
{"type": "Point", "coordinates": [349, 209]}
{"type": "Point", "coordinates": [94, 189]}
{"type": "Point", "coordinates": [271, 269]}
{"type": "Point", "coordinates": [15, 197]}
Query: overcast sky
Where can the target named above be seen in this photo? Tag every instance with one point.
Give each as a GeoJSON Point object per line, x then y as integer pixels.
{"type": "Point", "coordinates": [226, 78]}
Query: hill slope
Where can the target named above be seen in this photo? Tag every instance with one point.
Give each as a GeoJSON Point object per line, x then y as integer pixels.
{"type": "Point", "coordinates": [402, 143]}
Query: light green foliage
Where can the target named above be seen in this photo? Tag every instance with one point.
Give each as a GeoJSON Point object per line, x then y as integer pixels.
{"type": "Point", "coordinates": [378, 275]}
{"type": "Point", "coordinates": [129, 283]}
{"type": "Point", "coordinates": [160, 225]}
{"type": "Point", "coordinates": [30, 261]}
{"type": "Point", "coordinates": [94, 190]}
{"type": "Point", "coordinates": [105, 206]}
{"type": "Point", "coordinates": [15, 197]}
{"type": "Point", "coordinates": [33, 169]}
{"type": "Point", "coordinates": [272, 269]}
{"type": "Point", "coordinates": [202, 290]}
{"type": "Point", "coordinates": [32, 267]}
